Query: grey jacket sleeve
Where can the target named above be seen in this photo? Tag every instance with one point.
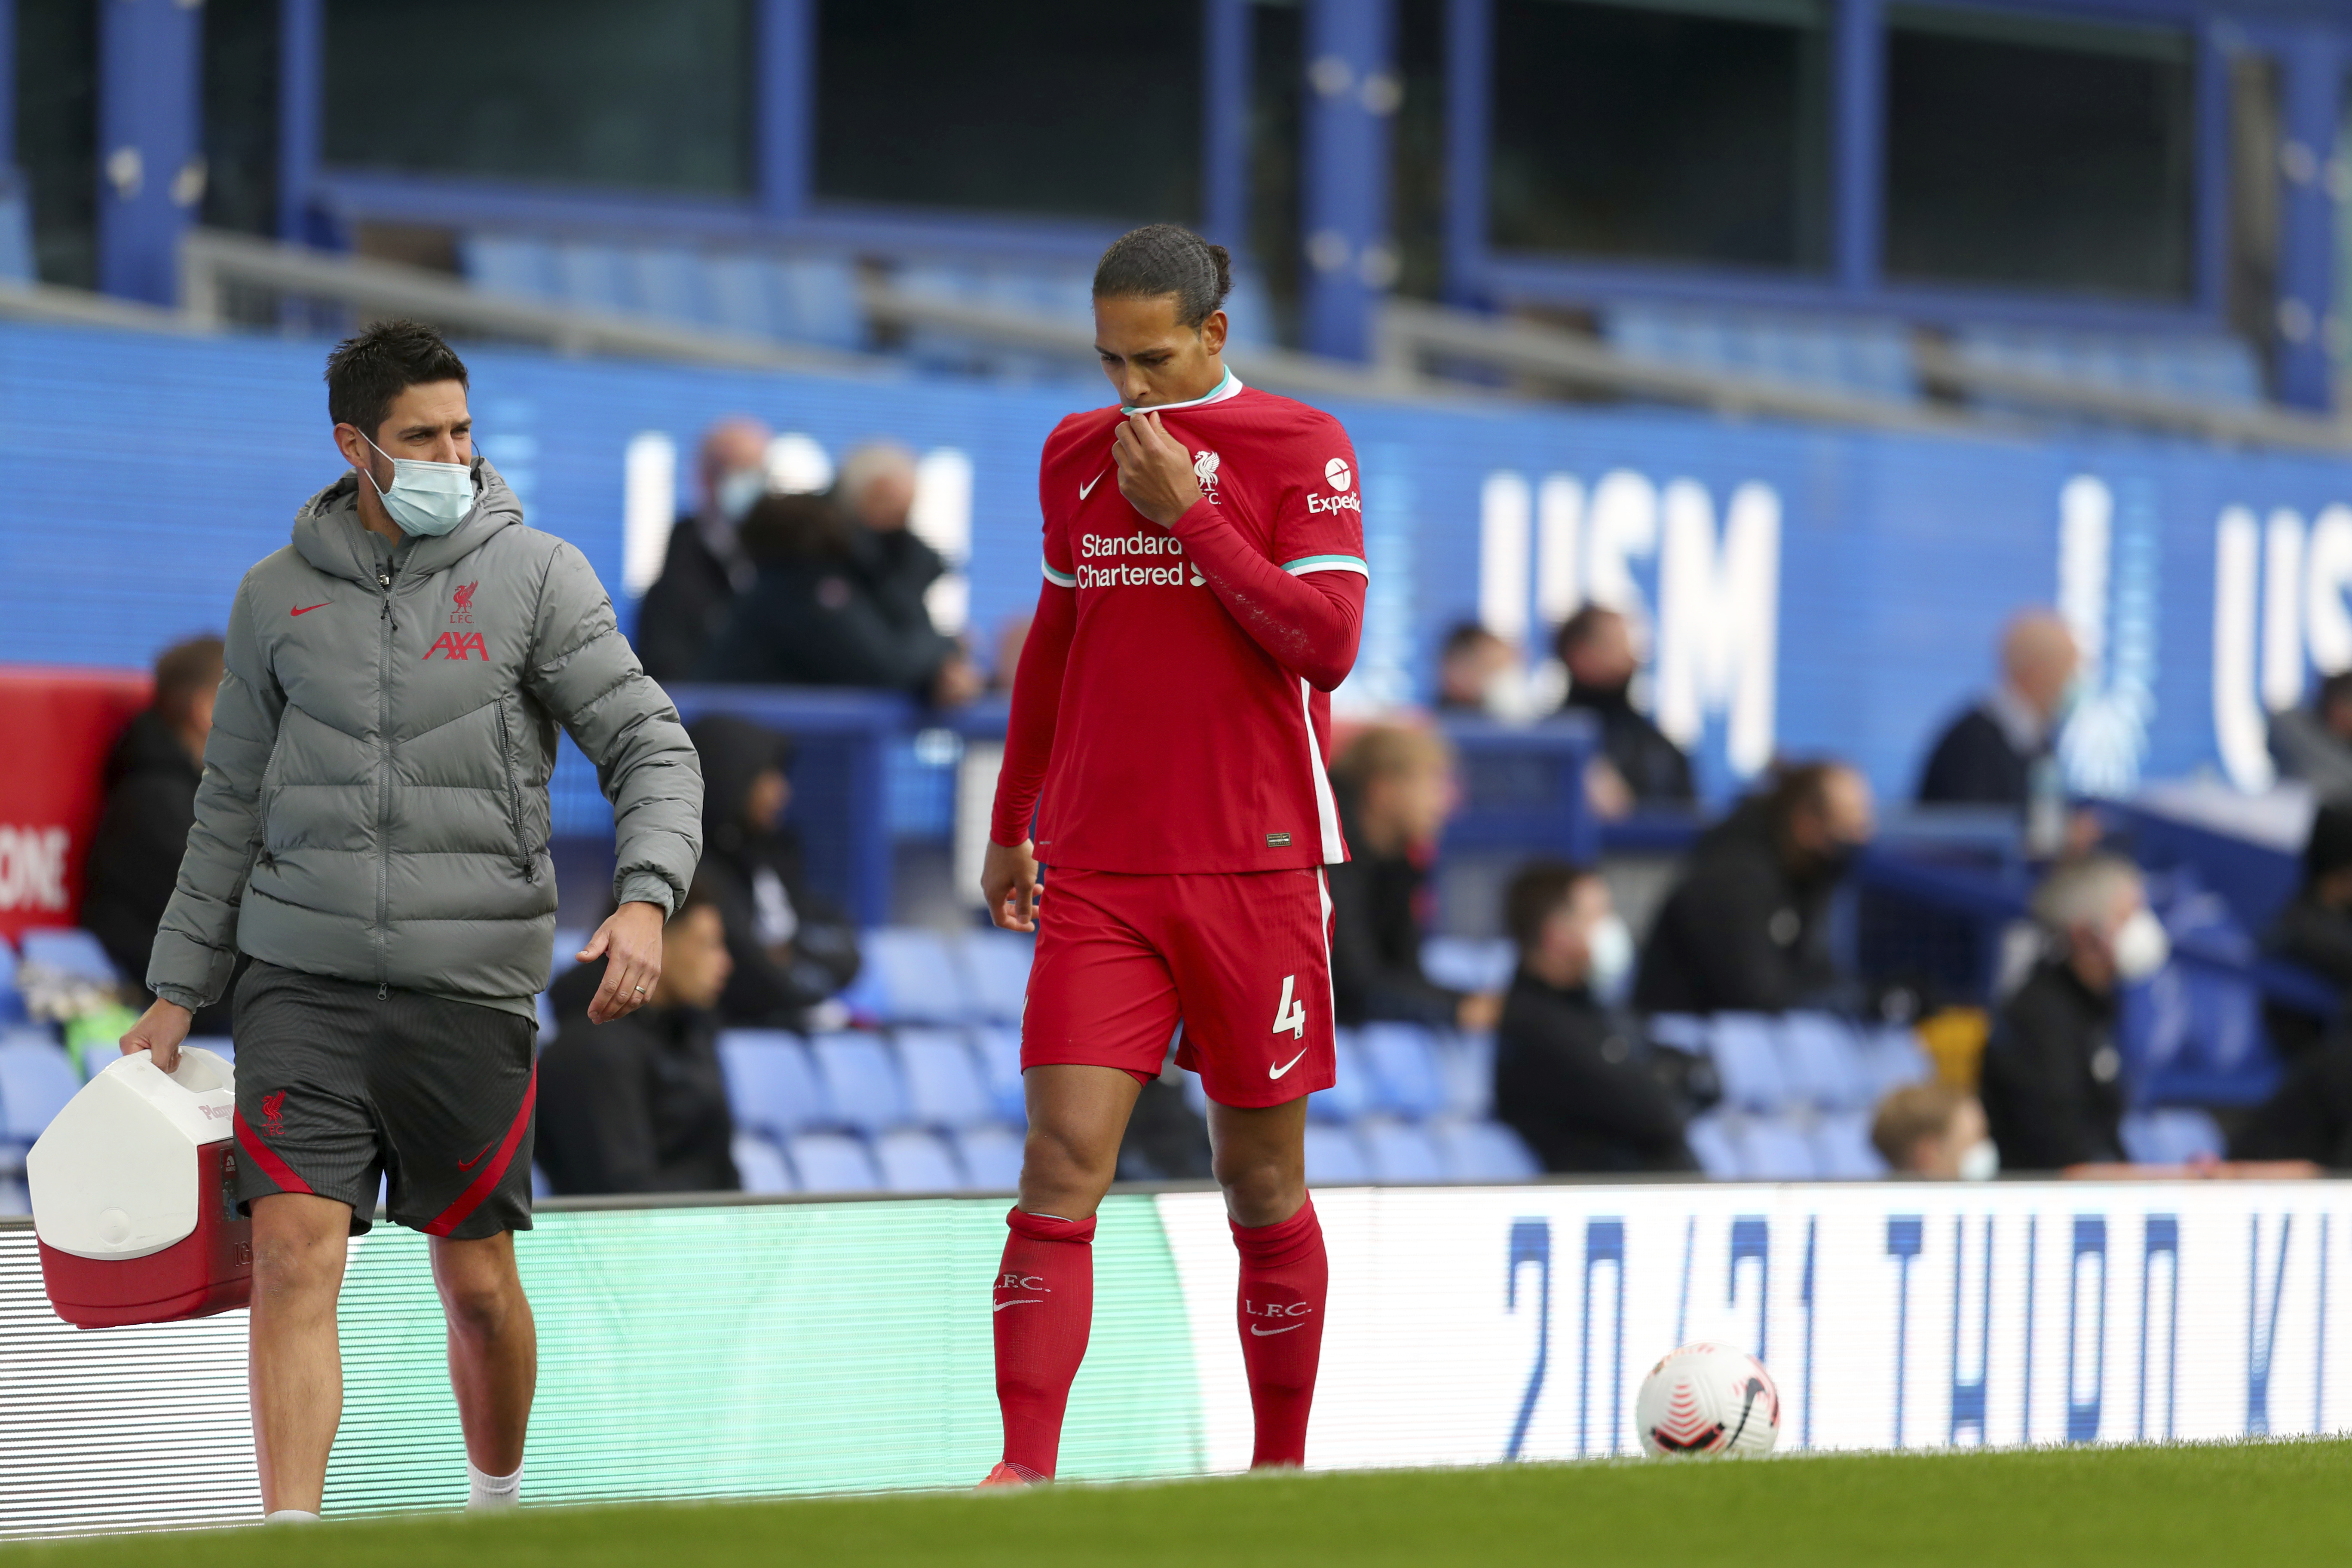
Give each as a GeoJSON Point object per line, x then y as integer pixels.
{"type": "Point", "coordinates": [195, 946]}
{"type": "Point", "coordinates": [584, 673]}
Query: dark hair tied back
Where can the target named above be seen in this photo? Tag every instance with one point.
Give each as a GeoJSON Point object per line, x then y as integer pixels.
{"type": "Point", "coordinates": [1162, 259]}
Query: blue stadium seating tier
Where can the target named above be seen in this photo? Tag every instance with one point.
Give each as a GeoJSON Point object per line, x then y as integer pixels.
{"type": "Point", "coordinates": [1797, 1092]}
{"type": "Point", "coordinates": [1853, 354]}
{"type": "Point", "coordinates": [2198, 367]}
{"type": "Point", "coordinates": [809, 297]}
{"type": "Point", "coordinates": [12, 1002]}
{"type": "Point", "coordinates": [37, 1078]}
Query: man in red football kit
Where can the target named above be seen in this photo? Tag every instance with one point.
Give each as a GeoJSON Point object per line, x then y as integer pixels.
{"type": "Point", "coordinates": [1170, 719]}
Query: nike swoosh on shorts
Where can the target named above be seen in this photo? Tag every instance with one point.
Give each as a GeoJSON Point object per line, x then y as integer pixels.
{"type": "Point", "coordinates": [1277, 1072]}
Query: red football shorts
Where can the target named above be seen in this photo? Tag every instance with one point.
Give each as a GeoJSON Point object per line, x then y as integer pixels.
{"type": "Point", "coordinates": [1242, 960]}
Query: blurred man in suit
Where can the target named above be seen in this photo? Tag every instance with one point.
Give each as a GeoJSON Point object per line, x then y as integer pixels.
{"type": "Point", "coordinates": [1638, 765]}
{"type": "Point", "coordinates": [705, 568]}
{"type": "Point", "coordinates": [1988, 755]}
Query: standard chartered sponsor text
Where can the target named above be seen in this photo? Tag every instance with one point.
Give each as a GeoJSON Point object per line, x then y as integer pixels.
{"type": "Point", "coordinates": [1125, 574]}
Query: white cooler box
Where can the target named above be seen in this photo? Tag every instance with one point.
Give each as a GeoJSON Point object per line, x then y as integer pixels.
{"type": "Point", "coordinates": [134, 1196]}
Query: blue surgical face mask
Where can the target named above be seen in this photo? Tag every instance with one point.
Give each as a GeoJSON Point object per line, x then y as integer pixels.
{"type": "Point", "coordinates": [738, 493]}
{"type": "Point", "coordinates": [426, 499]}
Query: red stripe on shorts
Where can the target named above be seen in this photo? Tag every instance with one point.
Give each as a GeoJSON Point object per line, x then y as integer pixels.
{"type": "Point", "coordinates": [485, 1181]}
{"type": "Point", "coordinates": [263, 1156]}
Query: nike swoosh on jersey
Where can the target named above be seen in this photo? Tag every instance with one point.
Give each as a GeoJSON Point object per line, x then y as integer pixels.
{"type": "Point", "coordinates": [1001, 1305]}
{"type": "Point", "coordinates": [1284, 1330]}
{"type": "Point", "coordinates": [1277, 1072]}
{"type": "Point", "coordinates": [1087, 489]}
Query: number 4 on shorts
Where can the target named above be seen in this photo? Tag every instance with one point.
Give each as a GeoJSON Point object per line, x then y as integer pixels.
{"type": "Point", "coordinates": [1289, 1014]}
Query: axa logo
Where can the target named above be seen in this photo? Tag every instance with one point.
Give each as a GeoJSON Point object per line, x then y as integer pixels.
{"type": "Point", "coordinates": [1204, 470]}
{"type": "Point", "coordinates": [273, 1110]}
{"type": "Point", "coordinates": [461, 607]}
{"type": "Point", "coordinates": [458, 646]}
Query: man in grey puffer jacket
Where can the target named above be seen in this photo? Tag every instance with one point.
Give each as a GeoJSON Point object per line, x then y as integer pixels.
{"type": "Point", "coordinates": [373, 831]}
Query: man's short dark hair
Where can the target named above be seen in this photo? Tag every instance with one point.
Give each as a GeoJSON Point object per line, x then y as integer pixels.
{"type": "Point", "coordinates": [702, 893]}
{"type": "Point", "coordinates": [184, 670]}
{"type": "Point", "coordinates": [1166, 258]}
{"type": "Point", "coordinates": [367, 372]}
{"type": "Point", "coordinates": [1535, 894]}
{"type": "Point", "coordinates": [1462, 637]}
{"type": "Point", "coordinates": [1578, 629]}
{"type": "Point", "coordinates": [1798, 786]}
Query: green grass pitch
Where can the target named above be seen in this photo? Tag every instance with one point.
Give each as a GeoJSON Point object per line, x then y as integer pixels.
{"type": "Point", "coordinates": [2214, 1506]}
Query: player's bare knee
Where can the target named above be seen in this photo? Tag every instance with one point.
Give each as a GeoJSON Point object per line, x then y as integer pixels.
{"type": "Point", "coordinates": [1261, 1187]}
{"type": "Point", "coordinates": [482, 1306]}
{"type": "Point", "coordinates": [295, 1270]}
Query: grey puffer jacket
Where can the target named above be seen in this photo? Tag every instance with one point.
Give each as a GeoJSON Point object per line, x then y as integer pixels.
{"type": "Point", "coordinates": [374, 797]}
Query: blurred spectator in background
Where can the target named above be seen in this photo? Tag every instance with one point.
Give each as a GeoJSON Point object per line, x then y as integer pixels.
{"type": "Point", "coordinates": [875, 491]}
{"type": "Point", "coordinates": [2314, 931]}
{"type": "Point", "coordinates": [705, 568]}
{"type": "Point", "coordinates": [151, 803]}
{"type": "Point", "coordinates": [1638, 765]}
{"type": "Point", "coordinates": [812, 617]}
{"type": "Point", "coordinates": [639, 1104]}
{"type": "Point", "coordinates": [1746, 930]}
{"type": "Point", "coordinates": [2309, 1116]}
{"type": "Point", "coordinates": [1989, 754]}
{"type": "Point", "coordinates": [1395, 789]}
{"type": "Point", "coordinates": [2315, 743]}
{"type": "Point", "coordinates": [2053, 1076]}
{"type": "Point", "coordinates": [790, 949]}
{"type": "Point", "coordinates": [1571, 1076]}
{"type": "Point", "coordinates": [1934, 1129]}
{"type": "Point", "coordinates": [1474, 666]}
{"type": "Point", "coordinates": [1012, 637]}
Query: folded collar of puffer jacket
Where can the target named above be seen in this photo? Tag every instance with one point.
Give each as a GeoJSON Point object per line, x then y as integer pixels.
{"type": "Point", "coordinates": [329, 534]}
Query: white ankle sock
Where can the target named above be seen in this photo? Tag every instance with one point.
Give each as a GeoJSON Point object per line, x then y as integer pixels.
{"type": "Point", "coordinates": [492, 1491]}
{"type": "Point", "coordinates": [289, 1516]}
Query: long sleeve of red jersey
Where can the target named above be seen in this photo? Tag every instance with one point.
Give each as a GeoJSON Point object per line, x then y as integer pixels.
{"type": "Point", "coordinates": [1036, 705]}
{"type": "Point", "coordinates": [1310, 624]}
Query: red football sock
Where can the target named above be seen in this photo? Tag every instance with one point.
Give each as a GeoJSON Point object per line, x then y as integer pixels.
{"type": "Point", "coordinates": [1284, 1278]}
{"type": "Point", "coordinates": [1044, 1307]}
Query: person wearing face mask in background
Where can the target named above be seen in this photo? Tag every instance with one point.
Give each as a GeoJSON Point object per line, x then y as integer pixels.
{"type": "Point", "coordinates": [2314, 931]}
{"type": "Point", "coordinates": [1747, 928]}
{"type": "Point", "coordinates": [1638, 766]}
{"type": "Point", "coordinates": [1934, 1130]}
{"type": "Point", "coordinates": [2053, 1076]}
{"type": "Point", "coordinates": [1472, 666]}
{"type": "Point", "coordinates": [705, 568]}
{"type": "Point", "coordinates": [1395, 789]}
{"type": "Point", "coordinates": [1574, 1076]}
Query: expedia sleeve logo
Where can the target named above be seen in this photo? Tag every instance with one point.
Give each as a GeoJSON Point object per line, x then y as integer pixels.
{"type": "Point", "coordinates": [1342, 481]}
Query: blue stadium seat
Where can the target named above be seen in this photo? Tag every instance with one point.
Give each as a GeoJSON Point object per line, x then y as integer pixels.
{"type": "Point", "coordinates": [944, 1086]}
{"type": "Point", "coordinates": [12, 1004]}
{"type": "Point", "coordinates": [913, 1161]}
{"type": "Point", "coordinates": [771, 1085]}
{"type": "Point", "coordinates": [1196, 1094]}
{"type": "Point", "coordinates": [1821, 1063]}
{"type": "Point", "coordinates": [1778, 1150]}
{"type": "Point", "coordinates": [737, 295]}
{"type": "Point", "coordinates": [68, 950]}
{"type": "Point", "coordinates": [760, 1164]}
{"type": "Point", "coordinates": [1841, 1148]}
{"type": "Point", "coordinates": [1714, 1140]}
{"type": "Point", "coordinates": [816, 301]}
{"type": "Point", "coordinates": [16, 1201]}
{"type": "Point", "coordinates": [1483, 1152]}
{"type": "Point", "coordinates": [1355, 1095]}
{"type": "Point", "coordinates": [540, 1186]}
{"type": "Point", "coordinates": [1334, 1157]}
{"type": "Point", "coordinates": [861, 1082]}
{"type": "Point", "coordinates": [1403, 1059]}
{"type": "Point", "coordinates": [1466, 1064]}
{"type": "Point", "coordinates": [2171, 1135]}
{"type": "Point", "coordinates": [1468, 964]}
{"type": "Point", "coordinates": [520, 265]}
{"type": "Point", "coordinates": [991, 1156]}
{"type": "Point", "coordinates": [1000, 1064]}
{"type": "Point", "coordinates": [1400, 1152]}
{"type": "Point", "coordinates": [593, 275]}
{"type": "Point", "coordinates": [1861, 355]}
{"type": "Point", "coordinates": [37, 1078]}
{"type": "Point", "coordinates": [1892, 1057]}
{"type": "Point", "coordinates": [1747, 1061]}
{"type": "Point", "coordinates": [2205, 367]}
{"type": "Point", "coordinates": [996, 969]}
{"type": "Point", "coordinates": [909, 978]}
{"type": "Point", "coordinates": [832, 1163]}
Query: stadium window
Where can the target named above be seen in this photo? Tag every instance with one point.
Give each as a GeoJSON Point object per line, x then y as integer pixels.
{"type": "Point", "coordinates": [597, 92]}
{"type": "Point", "coordinates": [2033, 152]}
{"type": "Point", "coordinates": [56, 137]}
{"type": "Point", "coordinates": [240, 94]}
{"type": "Point", "coordinates": [1683, 131]}
{"type": "Point", "coordinates": [1032, 106]}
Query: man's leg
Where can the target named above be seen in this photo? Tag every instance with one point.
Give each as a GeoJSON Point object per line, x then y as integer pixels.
{"type": "Point", "coordinates": [295, 1373]}
{"type": "Point", "coordinates": [1046, 1285]}
{"type": "Point", "coordinates": [1260, 1159]}
{"type": "Point", "coordinates": [493, 1357]}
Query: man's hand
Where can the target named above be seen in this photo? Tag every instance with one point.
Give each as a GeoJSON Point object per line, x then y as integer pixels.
{"type": "Point", "coordinates": [630, 943]}
{"type": "Point", "coordinates": [1008, 881]}
{"type": "Point", "coordinates": [159, 1032]}
{"type": "Point", "coordinates": [1155, 472]}
{"type": "Point", "coordinates": [957, 683]}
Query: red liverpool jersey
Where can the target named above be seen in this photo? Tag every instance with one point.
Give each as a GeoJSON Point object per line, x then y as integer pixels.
{"type": "Point", "coordinates": [1180, 743]}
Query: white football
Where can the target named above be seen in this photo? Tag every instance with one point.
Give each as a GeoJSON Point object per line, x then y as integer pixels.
{"type": "Point", "coordinates": [1708, 1399]}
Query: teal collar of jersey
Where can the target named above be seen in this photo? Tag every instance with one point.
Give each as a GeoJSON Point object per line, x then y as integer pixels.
{"type": "Point", "coordinates": [1224, 389]}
